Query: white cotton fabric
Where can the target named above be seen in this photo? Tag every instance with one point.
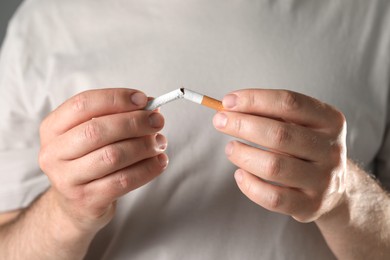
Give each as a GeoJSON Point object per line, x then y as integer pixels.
{"type": "Point", "coordinates": [337, 51]}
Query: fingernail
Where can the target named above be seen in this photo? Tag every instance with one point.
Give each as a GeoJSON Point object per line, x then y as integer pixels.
{"type": "Point", "coordinates": [161, 142]}
{"type": "Point", "coordinates": [229, 149]}
{"type": "Point", "coordinates": [238, 176]}
{"type": "Point", "coordinates": [156, 120]}
{"type": "Point", "coordinates": [220, 120]}
{"type": "Point", "coordinates": [163, 160]}
{"type": "Point", "coordinates": [139, 99]}
{"type": "Point", "coordinates": [229, 101]}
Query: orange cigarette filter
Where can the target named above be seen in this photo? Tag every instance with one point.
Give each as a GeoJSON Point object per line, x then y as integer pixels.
{"type": "Point", "coordinates": [212, 103]}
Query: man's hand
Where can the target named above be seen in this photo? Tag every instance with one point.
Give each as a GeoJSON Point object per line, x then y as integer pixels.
{"type": "Point", "coordinates": [301, 170]}
{"type": "Point", "coordinates": [98, 146]}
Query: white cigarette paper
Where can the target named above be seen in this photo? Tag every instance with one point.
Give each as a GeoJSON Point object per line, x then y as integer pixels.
{"type": "Point", "coordinates": [186, 94]}
{"type": "Point", "coordinates": [164, 99]}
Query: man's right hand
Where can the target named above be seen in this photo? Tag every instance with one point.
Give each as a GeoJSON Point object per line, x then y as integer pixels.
{"type": "Point", "coordinates": [96, 147]}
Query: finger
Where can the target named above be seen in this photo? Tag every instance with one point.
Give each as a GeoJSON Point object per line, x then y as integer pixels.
{"type": "Point", "coordinates": [105, 130]}
{"type": "Point", "coordinates": [90, 104]}
{"type": "Point", "coordinates": [286, 105]}
{"type": "Point", "coordinates": [288, 138]}
{"type": "Point", "coordinates": [278, 168]}
{"type": "Point", "coordinates": [112, 158]}
{"type": "Point", "coordinates": [279, 199]}
{"type": "Point", "coordinates": [109, 188]}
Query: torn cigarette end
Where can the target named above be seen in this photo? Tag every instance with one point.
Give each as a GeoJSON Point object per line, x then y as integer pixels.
{"type": "Point", "coordinates": [212, 103]}
{"type": "Point", "coordinates": [186, 94]}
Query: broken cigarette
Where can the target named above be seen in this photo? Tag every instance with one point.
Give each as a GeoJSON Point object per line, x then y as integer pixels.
{"type": "Point", "coordinates": [186, 94]}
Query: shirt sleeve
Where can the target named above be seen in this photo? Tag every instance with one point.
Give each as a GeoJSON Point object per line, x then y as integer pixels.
{"type": "Point", "coordinates": [23, 104]}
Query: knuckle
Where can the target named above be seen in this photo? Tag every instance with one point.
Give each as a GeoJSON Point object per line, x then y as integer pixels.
{"type": "Point", "coordinates": [280, 135]}
{"type": "Point", "coordinates": [274, 167]}
{"type": "Point", "coordinates": [92, 132]}
{"type": "Point", "coordinates": [113, 97]}
{"type": "Point", "coordinates": [289, 101]}
{"type": "Point", "coordinates": [80, 102]}
{"type": "Point", "coordinates": [252, 99]}
{"type": "Point", "coordinates": [238, 125]}
{"type": "Point", "coordinates": [151, 168]}
{"type": "Point", "coordinates": [249, 188]}
{"type": "Point", "coordinates": [155, 168]}
{"type": "Point", "coordinates": [313, 139]}
{"type": "Point", "coordinates": [146, 143]}
{"type": "Point", "coordinates": [124, 181]}
{"type": "Point", "coordinates": [133, 123]}
{"type": "Point", "coordinates": [274, 200]}
{"type": "Point", "coordinates": [111, 155]}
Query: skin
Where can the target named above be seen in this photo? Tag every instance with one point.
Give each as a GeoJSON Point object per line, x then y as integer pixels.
{"type": "Point", "coordinates": [96, 147]}
{"type": "Point", "coordinates": [87, 160]}
{"type": "Point", "coordinates": [306, 161]}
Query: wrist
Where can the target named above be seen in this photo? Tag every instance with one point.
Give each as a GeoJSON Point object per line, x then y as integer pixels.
{"type": "Point", "coordinates": [45, 231]}
{"type": "Point", "coordinates": [339, 213]}
{"type": "Point", "coordinates": [81, 217]}
{"type": "Point", "coordinates": [66, 231]}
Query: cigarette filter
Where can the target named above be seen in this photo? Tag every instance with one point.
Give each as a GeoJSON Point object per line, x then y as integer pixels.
{"type": "Point", "coordinates": [186, 94]}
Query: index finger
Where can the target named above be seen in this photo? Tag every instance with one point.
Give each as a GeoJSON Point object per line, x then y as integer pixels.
{"type": "Point", "coordinates": [90, 104]}
{"type": "Point", "coordinates": [286, 105]}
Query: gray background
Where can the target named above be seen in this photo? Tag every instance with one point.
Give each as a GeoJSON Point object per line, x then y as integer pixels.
{"type": "Point", "coordinates": [7, 8]}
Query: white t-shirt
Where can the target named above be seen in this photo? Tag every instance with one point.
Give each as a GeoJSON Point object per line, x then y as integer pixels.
{"type": "Point", "coordinates": [337, 51]}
